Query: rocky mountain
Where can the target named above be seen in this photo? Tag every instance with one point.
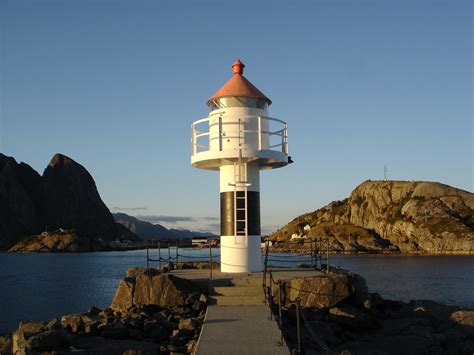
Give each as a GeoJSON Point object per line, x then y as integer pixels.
{"type": "Point", "coordinates": [71, 200]}
{"type": "Point", "coordinates": [143, 229]}
{"type": "Point", "coordinates": [65, 197]}
{"type": "Point", "coordinates": [147, 230]}
{"type": "Point", "coordinates": [20, 196]}
{"type": "Point", "coordinates": [186, 233]}
{"type": "Point", "coordinates": [392, 216]}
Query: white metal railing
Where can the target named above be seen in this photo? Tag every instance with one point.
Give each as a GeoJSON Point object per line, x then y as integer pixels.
{"type": "Point", "coordinates": [198, 147]}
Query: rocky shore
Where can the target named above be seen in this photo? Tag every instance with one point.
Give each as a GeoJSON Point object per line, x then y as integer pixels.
{"type": "Point", "coordinates": [69, 241]}
{"type": "Point", "coordinates": [151, 313]}
{"type": "Point", "coordinates": [340, 316]}
{"type": "Point", "coordinates": [158, 313]}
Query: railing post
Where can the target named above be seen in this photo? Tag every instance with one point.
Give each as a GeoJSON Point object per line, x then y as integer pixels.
{"type": "Point", "coordinates": [147, 259]}
{"type": "Point", "coordinates": [177, 255]}
{"type": "Point", "coordinates": [264, 281]}
{"type": "Point", "coordinates": [259, 133]}
{"type": "Point", "coordinates": [327, 258]}
{"type": "Point", "coordinates": [270, 293]}
{"type": "Point", "coordinates": [220, 134]}
{"type": "Point", "coordinates": [210, 260]}
{"type": "Point", "coordinates": [320, 253]}
{"type": "Point", "coordinates": [169, 256]}
{"type": "Point", "coordinates": [286, 139]}
{"type": "Point", "coordinates": [193, 139]}
{"type": "Point", "coordinates": [280, 309]}
{"type": "Point", "coordinates": [298, 329]}
{"type": "Point", "coordinates": [159, 256]}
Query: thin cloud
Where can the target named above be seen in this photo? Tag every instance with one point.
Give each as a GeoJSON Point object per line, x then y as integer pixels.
{"type": "Point", "coordinates": [129, 208]}
{"type": "Point", "coordinates": [166, 219]}
{"type": "Point", "coordinates": [268, 229]}
{"type": "Point", "coordinates": [210, 218]}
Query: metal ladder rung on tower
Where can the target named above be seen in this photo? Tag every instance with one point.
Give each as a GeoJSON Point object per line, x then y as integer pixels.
{"type": "Point", "coordinates": [240, 200]}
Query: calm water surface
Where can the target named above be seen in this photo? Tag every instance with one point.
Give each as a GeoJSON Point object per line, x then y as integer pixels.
{"type": "Point", "coordinates": [42, 286]}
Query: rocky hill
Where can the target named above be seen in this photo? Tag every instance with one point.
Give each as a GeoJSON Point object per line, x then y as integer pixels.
{"type": "Point", "coordinates": [143, 229]}
{"type": "Point", "coordinates": [392, 216]}
{"type": "Point", "coordinates": [147, 230]}
{"type": "Point", "coordinates": [65, 197]}
{"type": "Point", "coordinates": [20, 190]}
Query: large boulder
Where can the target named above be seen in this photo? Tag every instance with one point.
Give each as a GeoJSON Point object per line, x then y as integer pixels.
{"type": "Point", "coordinates": [149, 287]}
{"type": "Point", "coordinates": [463, 322]}
{"type": "Point", "coordinates": [323, 290]}
{"type": "Point", "coordinates": [5, 344]}
{"type": "Point", "coordinates": [352, 317]}
{"type": "Point", "coordinates": [35, 336]}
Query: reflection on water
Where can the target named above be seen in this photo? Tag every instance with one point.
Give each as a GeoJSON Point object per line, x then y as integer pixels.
{"type": "Point", "coordinates": [41, 286]}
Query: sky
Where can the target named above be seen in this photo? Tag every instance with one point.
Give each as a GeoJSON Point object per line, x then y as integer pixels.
{"type": "Point", "coordinates": [115, 85]}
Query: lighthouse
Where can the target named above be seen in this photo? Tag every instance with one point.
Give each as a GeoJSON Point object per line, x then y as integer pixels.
{"type": "Point", "coordinates": [239, 139]}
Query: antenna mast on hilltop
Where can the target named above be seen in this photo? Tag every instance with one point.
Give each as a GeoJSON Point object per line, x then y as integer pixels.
{"type": "Point", "coordinates": [385, 172]}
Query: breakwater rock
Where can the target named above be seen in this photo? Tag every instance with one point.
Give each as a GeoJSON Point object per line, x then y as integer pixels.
{"type": "Point", "coordinates": [163, 314]}
{"type": "Point", "coordinates": [340, 315]}
{"type": "Point", "coordinates": [324, 290]}
{"type": "Point", "coordinates": [142, 287]}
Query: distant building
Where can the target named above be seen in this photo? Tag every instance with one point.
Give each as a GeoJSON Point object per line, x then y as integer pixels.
{"type": "Point", "coordinates": [199, 241]}
{"type": "Point", "coordinates": [202, 242]}
{"type": "Point", "coordinates": [297, 236]}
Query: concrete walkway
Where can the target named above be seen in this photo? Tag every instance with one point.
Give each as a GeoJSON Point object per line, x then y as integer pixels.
{"type": "Point", "coordinates": [237, 320]}
{"type": "Point", "coordinates": [239, 330]}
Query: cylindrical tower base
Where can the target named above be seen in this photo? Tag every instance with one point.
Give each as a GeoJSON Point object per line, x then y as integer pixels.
{"type": "Point", "coordinates": [240, 254]}
{"type": "Point", "coordinates": [240, 218]}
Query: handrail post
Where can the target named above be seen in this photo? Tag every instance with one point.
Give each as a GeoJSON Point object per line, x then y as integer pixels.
{"type": "Point", "coordinates": [210, 260]}
{"type": "Point", "coordinates": [259, 133]}
{"type": "Point", "coordinates": [177, 255]}
{"type": "Point", "coordinates": [159, 255]}
{"type": "Point", "coordinates": [280, 309]}
{"type": "Point", "coordinates": [169, 256]}
{"type": "Point", "coordinates": [320, 253]}
{"type": "Point", "coordinates": [220, 134]}
{"type": "Point", "coordinates": [193, 139]}
{"type": "Point", "coordinates": [298, 330]}
{"type": "Point", "coordinates": [147, 259]}
{"type": "Point", "coordinates": [327, 258]}
{"type": "Point", "coordinates": [270, 292]}
{"type": "Point", "coordinates": [264, 281]}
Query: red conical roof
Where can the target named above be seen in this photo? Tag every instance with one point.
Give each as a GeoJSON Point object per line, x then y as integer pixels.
{"type": "Point", "coordinates": [238, 85]}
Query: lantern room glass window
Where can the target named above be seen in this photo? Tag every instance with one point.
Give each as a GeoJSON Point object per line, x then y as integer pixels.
{"type": "Point", "coordinates": [235, 101]}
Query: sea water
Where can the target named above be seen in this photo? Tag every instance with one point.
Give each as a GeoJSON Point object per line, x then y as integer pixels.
{"type": "Point", "coordinates": [42, 286]}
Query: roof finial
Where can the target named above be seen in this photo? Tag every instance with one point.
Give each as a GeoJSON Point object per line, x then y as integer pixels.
{"type": "Point", "coordinates": [238, 67]}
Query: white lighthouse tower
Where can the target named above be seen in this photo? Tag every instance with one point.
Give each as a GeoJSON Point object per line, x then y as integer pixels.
{"type": "Point", "coordinates": [239, 139]}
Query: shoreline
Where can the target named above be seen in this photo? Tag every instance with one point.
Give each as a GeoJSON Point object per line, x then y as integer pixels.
{"type": "Point", "coordinates": [388, 253]}
{"type": "Point", "coordinates": [171, 320]}
{"type": "Point", "coordinates": [392, 254]}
